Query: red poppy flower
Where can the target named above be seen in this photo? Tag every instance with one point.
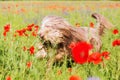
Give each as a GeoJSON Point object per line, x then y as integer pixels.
{"type": "Point", "coordinates": [36, 28]}
{"type": "Point", "coordinates": [34, 33]}
{"type": "Point", "coordinates": [32, 50]}
{"type": "Point", "coordinates": [74, 77]}
{"type": "Point", "coordinates": [7, 28]}
{"type": "Point", "coordinates": [91, 24]}
{"type": "Point", "coordinates": [95, 58]}
{"type": "Point", "coordinates": [29, 27]}
{"type": "Point", "coordinates": [21, 32]}
{"type": "Point", "coordinates": [115, 31]}
{"type": "Point", "coordinates": [8, 78]}
{"type": "Point", "coordinates": [72, 45]}
{"type": "Point", "coordinates": [77, 24]}
{"type": "Point", "coordinates": [80, 52]}
{"type": "Point", "coordinates": [29, 64]}
{"type": "Point", "coordinates": [4, 33]}
{"type": "Point", "coordinates": [116, 42]}
{"type": "Point", "coordinates": [105, 54]}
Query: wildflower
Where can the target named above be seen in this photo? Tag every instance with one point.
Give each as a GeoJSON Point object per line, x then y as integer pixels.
{"type": "Point", "coordinates": [91, 24]}
{"type": "Point", "coordinates": [115, 31]}
{"type": "Point", "coordinates": [4, 33]}
{"type": "Point", "coordinates": [80, 52]}
{"type": "Point", "coordinates": [116, 42]}
{"type": "Point", "coordinates": [7, 28]}
{"type": "Point", "coordinates": [29, 27]}
{"type": "Point", "coordinates": [24, 48]}
{"type": "Point", "coordinates": [21, 32]}
{"type": "Point", "coordinates": [29, 64]}
{"type": "Point", "coordinates": [34, 33]}
{"type": "Point", "coordinates": [14, 35]}
{"type": "Point", "coordinates": [72, 45]}
{"type": "Point", "coordinates": [36, 28]}
{"type": "Point", "coordinates": [105, 54]}
{"type": "Point", "coordinates": [32, 50]}
{"type": "Point", "coordinates": [69, 69]}
{"type": "Point", "coordinates": [95, 58]}
{"type": "Point", "coordinates": [93, 78]}
{"type": "Point", "coordinates": [16, 5]}
{"type": "Point", "coordinates": [59, 72]}
{"type": "Point", "coordinates": [23, 10]}
{"type": "Point", "coordinates": [74, 77]}
{"type": "Point", "coordinates": [77, 24]}
{"type": "Point", "coordinates": [9, 7]}
{"type": "Point", "coordinates": [8, 78]}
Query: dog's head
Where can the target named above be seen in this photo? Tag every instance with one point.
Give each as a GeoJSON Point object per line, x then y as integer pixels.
{"type": "Point", "coordinates": [54, 29]}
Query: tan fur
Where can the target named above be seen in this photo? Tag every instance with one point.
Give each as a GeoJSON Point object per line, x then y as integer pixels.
{"type": "Point", "coordinates": [103, 23]}
{"type": "Point", "coordinates": [59, 32]}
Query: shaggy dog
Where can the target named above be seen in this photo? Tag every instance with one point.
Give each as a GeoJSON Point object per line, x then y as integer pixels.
{"type": "Point", "coordinates": [57, 31]}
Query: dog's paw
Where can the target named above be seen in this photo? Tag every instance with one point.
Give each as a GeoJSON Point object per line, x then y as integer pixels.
{"type": "Point", "coordinates": [41, 54]}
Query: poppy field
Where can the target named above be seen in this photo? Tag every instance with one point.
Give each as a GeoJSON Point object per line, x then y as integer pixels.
{"type": "Point", "coordinates": [19, 23]}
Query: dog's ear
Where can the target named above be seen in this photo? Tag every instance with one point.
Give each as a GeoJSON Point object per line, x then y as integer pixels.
{"type": "Point", "coordinates": [102, 20]}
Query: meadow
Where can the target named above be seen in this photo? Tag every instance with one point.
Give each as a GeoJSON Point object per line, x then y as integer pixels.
{"type": "Point", "coordinates": [18, 42]}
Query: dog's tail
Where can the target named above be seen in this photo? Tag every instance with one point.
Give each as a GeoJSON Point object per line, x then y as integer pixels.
{"type": "Point", "coordinates": [102, 23]}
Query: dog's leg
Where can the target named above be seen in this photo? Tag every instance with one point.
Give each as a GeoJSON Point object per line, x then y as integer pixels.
{"type": "Point", "coordinates": [41, 51]}
{"type": "Point", "coordinates": [97, 44]}
{"type": "Point", "coordinates": [60, 54]}
{"type": "Point", "coordinates": [58, 57]}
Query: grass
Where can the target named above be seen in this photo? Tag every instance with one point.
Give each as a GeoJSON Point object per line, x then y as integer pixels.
{"type": "Point", "coordinates": [13, 59]}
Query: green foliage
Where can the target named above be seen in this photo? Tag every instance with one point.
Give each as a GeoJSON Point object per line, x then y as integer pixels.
{"type": "Point", "coordinates": [13, 59]}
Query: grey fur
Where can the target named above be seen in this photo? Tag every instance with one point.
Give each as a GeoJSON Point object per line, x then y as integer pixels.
{"type": "Point", "coordinates": [58, 31]}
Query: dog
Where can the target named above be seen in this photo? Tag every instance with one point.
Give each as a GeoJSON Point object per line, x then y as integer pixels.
{"type": "Point", "coordinates": [56, 30]}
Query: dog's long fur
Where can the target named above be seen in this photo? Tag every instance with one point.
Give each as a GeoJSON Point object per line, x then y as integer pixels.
{"type": "Point", "coordinates": [59, 32]}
